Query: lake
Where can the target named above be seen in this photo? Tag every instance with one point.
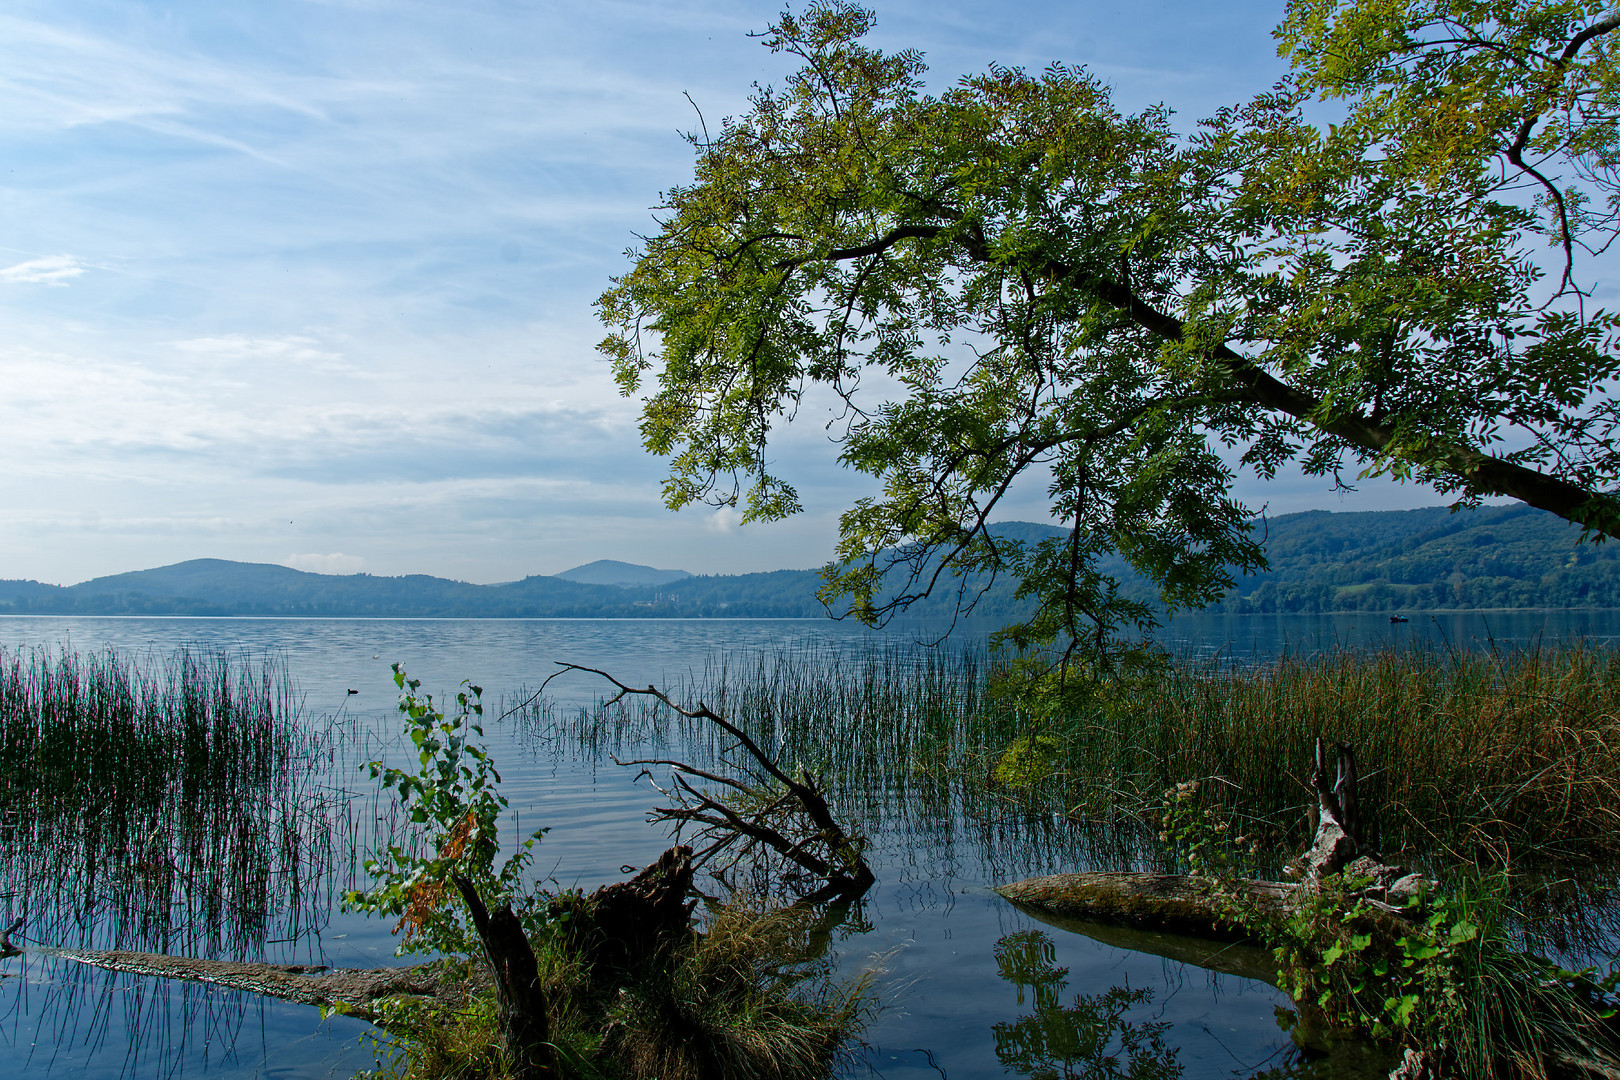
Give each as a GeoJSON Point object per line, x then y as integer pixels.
{"type": "Point", "coordinates": [951, 957]}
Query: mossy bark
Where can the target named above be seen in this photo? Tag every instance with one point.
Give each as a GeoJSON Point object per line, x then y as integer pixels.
{"type": "Point", "coordinates": [1176, 903]}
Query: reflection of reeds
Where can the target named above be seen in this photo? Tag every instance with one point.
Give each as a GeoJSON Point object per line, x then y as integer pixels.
{"type": "Point", "coordinates": [165, 804]}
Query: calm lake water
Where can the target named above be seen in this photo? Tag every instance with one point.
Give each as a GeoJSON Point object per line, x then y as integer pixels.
{"type": "Point", "coordinates": [932, 925]}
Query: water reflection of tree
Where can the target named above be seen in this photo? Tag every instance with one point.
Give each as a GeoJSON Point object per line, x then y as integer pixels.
{"type": "Point", "coordinates": [1090, 1038]}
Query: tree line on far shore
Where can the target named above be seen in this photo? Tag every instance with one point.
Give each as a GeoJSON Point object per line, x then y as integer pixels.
{"type": "Point", "coordinates": [1412, 560]}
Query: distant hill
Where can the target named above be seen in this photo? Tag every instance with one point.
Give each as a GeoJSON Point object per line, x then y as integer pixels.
{"type": "Point", "coordinates": [1423, 560]}
{"type": "Point", "coordinates": [1411, 560]}
{"type": "Point", "coordinates": [612, 572]}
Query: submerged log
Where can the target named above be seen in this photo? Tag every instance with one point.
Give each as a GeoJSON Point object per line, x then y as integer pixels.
{"type": "Point", "coordinates": [1243, 959]}
{"type": "Point", "coordinates": [1185, 904]}
{"type": "Point", "coordinates": [357, 991]}
{"type": "Point", "coordinates": [1177, 903]}
{"type": "Point", "coordinates": [634, 920]}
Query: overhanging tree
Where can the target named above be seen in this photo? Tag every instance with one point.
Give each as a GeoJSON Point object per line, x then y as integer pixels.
{"type": "Point", "coordinates": [1032, 283]}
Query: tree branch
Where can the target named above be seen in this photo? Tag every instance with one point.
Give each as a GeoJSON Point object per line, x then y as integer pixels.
{"type": "Point", "coordinates": [1483, 473]}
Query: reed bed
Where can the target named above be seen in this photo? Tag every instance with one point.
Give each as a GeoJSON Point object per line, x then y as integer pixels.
{"type": "Point", "coordinates": [1500, 757]}
{"type": "Point", "coordinates": [164, 803]}
{"type": "Point", "coordinates": [903, 738]}
{"type": "Point", "coordinates": [1465, 756]}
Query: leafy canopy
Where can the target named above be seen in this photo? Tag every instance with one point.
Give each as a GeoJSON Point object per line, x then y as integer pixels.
{"type": "Point", "coordinates": [1015, 279]}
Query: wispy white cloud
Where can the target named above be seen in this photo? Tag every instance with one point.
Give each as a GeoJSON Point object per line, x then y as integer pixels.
{"type": "Point", "coordinates": [285, 348]}
{"type": "Point", "coordinates": [51, 270]}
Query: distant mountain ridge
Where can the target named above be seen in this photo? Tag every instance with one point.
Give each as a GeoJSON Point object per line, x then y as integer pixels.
{"type": "Point", "coordinates": [613, 572]}
{"type": "Point", "coordinates": [1408, 560]}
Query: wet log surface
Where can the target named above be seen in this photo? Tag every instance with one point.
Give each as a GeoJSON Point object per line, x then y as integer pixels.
{"type": "Point", "coordinates": [356, 990]}
{"type": "Point", "coordinates": [1174, 903]}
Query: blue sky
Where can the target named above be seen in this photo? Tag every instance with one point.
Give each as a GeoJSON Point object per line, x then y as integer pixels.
{"type": "Point", "coordinates": [310, 282]}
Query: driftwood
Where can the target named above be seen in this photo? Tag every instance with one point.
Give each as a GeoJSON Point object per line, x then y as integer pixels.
{"type": "Point", "coordinates": [770, 811]}
{"type": "Point", "coordinates": [354, 990]}
{"type": "Point", "coordinates": [1340, 848]}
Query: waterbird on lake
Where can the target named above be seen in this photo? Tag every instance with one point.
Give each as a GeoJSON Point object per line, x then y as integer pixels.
{"type": "Point", "coordinates": [6, 947]}
{"type": "Point", "coordinates": [1399, 618]}
{"type": "Point", "coordinates": [354, 691]}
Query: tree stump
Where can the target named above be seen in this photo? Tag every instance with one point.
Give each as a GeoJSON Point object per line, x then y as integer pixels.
{"type": "Point", "coordinates": [629, 923]}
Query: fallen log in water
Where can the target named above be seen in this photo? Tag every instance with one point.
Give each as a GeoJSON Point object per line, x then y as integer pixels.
{"type": "Point", "coordinates": [1244, 959]}
{"type": "Point", "coordinates": [1174, 903]}
{"type": "Point", "coordinates": [622, 921]}
{"type": "Point", "coordinates": [354, 990]}
{"type": "Point", "coordinates": [1186, 904]}
{"type": "Point", "coordinates": [1369, 905]}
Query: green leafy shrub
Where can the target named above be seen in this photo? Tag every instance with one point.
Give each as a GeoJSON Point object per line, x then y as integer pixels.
{"type": "Point", "coordinates": [454, 796]}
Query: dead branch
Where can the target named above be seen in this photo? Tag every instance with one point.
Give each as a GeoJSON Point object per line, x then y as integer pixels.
{"type": "Point", "coordinates": [787, 814]}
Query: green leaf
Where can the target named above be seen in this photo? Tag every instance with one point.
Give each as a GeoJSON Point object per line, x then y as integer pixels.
{"type": "Point", "coordinates": [1462, 931]}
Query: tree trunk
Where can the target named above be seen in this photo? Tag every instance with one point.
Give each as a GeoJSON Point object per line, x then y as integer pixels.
{"type": "Point", "coordinates": [519, 999]}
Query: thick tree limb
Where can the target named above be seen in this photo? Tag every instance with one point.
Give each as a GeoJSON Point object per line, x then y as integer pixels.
{"type": "Point", "coordinates": [1483, 473]}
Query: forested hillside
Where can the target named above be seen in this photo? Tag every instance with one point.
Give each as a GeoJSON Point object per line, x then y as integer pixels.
{"type": "Point", "coordinates": [1413, 560]}
{"type": "Point", "coordinates": [1493, 557]}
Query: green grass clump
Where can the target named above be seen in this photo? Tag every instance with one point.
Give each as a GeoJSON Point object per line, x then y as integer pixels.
{"type": "Point", "coordinates": [749, 994]}
{"type": "Point", "coordinates": [748, 997]}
